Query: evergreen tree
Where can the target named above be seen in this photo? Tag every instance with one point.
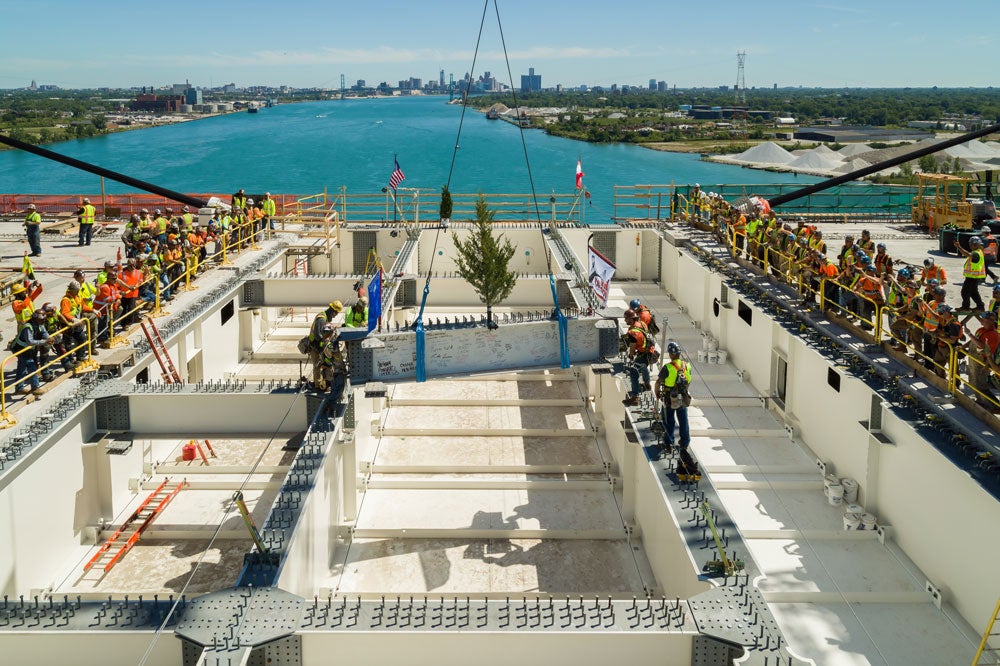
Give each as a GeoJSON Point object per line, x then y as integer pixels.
{"type": "Point", "coordinates": [483, 260]}
{"type": "Point", "coordinates": [445, 204]}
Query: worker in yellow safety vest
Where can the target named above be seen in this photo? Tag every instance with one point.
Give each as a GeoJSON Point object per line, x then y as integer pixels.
{"type": "Point", "coordinates": [85, 216]}
{"type": "Point", "coordinates": [974, 272]}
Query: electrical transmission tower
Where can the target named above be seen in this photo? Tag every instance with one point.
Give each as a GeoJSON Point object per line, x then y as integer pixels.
{"type": "Point", "coordinates": [343, 87]}
{"type": "Point", "coordinates": [741, 98]}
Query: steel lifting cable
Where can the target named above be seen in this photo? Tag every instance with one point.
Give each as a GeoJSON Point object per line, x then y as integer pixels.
{"type": "Point", "coordinates": [421, 369]}
{"type": "Point", "coordinates": [563, 324]}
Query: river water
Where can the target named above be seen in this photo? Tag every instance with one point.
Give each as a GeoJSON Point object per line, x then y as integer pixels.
{"type": "Point", "coordinates": [302, 148]}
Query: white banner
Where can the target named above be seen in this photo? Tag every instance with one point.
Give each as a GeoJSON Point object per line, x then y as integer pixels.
{"type": "Point", "coordinates": [601, 272]}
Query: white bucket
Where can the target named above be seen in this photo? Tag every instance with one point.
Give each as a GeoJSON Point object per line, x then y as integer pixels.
{"type": "Point", "coordinates": [829, 480]}
{"type": "Point", "coordinates": [713, 344]}
{"type": "Point", "coordinates": [702, 356]}
{"type": "Point", "coordinates": [835, 494]}
{"type": "Point", "coordinates": [852, 521]}
{"type": "Point", "coordinates": [723, 356]}
{"type": "Point", "coordinates": [713, 357]}
{"type": "Point", "coordinates": [706, 341]}
{"type": "Point", "coordinates": [868, 521]}
{"type": "Point", "coordinates": [850, 490]}
{"type": "Point", "coordinates": [855, 508]}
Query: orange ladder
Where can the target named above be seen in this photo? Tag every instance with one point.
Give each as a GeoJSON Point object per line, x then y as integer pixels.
{"type": "Point", "coordinates": [168, 371]}
{"type": "Point", "coordinates": [147, 512]}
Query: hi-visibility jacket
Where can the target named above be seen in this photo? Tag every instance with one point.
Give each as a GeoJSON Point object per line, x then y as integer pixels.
{"type": "Point", "coordinates": [931, 318]}
{"type": "Point", "coordinates": [994, 305]}
{"type": "Point", "coordinates": [133, 278]}
{"type": "Point", "coordinates": [356, 319]}
{"type": "Point", "coordinates": [828, 271]}
{"type": "Point", "coordinates": [934, 272]}
{"type": "Point", "coordinates": [975, 265]}
{"type": "Point", "coordinates": [87, 292]}
{"type": "Point", "coordinates": [740, 225]}
{"type": "Point", "coordinates": [267, 205]}
{"type": "Point", "coordinates": [316, 331]}
{"type": "Point", "coordinates": [161, 224]}
{"type": "Point", "coordinates": [239, 202]}
{"type": "Point", "coordinates": [70, 308]}
{"type": "Point", "coordinates": [870, 288]}
{"type": "Point", "coordinates": [990, 247]}
{"type": "Point", "coordinates": [24, 308]}
{"type": "Point", "coordinates": [105, 297]}
{"type": "Point", "coordinates": [33, 219]}
{"type": "Point", "coordinates": [640, 336]}
{"type": "Point", "coordinates": [188, 219]}
{"type": "Point", "coordinates": [226, 221]}
{"type": "Point", "coordinates": [752, 226]}
{"type": "Point", "coordinates": [87, 213]}
{"type": "Point", "coordinates": [674, 368]}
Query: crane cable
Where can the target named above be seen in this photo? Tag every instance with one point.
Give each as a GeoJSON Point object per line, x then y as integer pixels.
{"type": "Point", "coordinates": [564, 359]}
{"type": "Point", "coordinates": [421, 369]}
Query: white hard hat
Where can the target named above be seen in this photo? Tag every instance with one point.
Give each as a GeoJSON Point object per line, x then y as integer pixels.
{"type": "Point", "coordinates": [31, 206]}
{"type": "Point", "coordinates": [249, 201]}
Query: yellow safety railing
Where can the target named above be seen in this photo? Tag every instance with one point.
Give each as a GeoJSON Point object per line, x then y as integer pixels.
{"type": "Point", "coordinates": [6, 418]}
{"type": "Point", "coordinates": [946, 357]}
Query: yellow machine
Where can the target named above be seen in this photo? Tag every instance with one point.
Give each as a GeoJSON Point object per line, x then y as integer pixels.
{"type": "Point", "coordinates": [941, 200]}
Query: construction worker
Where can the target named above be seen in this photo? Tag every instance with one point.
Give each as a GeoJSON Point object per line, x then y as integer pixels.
{"type": "Point", "coordinates": [907, 317]}
{"type": "Point", "coordinates": [866, 243]}
{"type": "Point", "coordinates": [186, 219]}
{"type": "Point", "coordinates": [254, 216]}
{"type": "Point", "coordinates": [882, 261]}
{"type": "Point", "coordinates": [268, 209]}
{"type": "Point", "coordinates": [33, 227]}
{"type": "Point", "coordinates": [932, 271]}
{"type": "Point", "coordinates": [57, 342]}
{"type": "Point", "coordinates": [645, 316]}
{"type": "Point", "coordinates": [673, 388]}
{"type": "Point", "coordinates": [317, 339]}
{"type": "Point", "coordinates": [931, 320]}
{"type": "Point", "coordinates": [640, 351]}
{"type": "Point", "coordinates": [869, 287]}
{"type": "Point", "coordinates": [85, 216]}
{"type": "Point", "coordinates": [31, 337]}
{"type": "Point", "coordinates": [24, 299]}
{"type": "Point", "coordinates": [949, 335]}
{"type": "Point", "coordinates": [357, 316]}
{"type": "Point", "coordinates": [88, 292]}
{"type": "Point", "coordinates": [239, 200]}
{"type": "Point", "coordinates": [69, 314]}
{"type": "Point", "coordinates": [989, 251]}
{"type": "Point", "coordinates": [333, 364]}
{"type": "Point", "coordinates": [974, 272]}
{"type": "Point", "coordinates": [981, 348]}
{"type": "Point", "coordinates": [160, 224]}
{"type": "Point", "coordinates": [133, 278]}
{"type": "Point", "coordinates": [131, 236]}
{"type": "Point", "coordinates": [105, 303]}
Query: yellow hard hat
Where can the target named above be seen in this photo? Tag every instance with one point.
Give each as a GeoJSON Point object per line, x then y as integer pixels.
{"type": "Point", "coordinates": [337, 306]}
{"type": "Point", "coordinates": [18, 288]}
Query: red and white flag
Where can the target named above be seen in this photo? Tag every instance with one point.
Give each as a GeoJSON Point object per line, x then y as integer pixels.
{"type": "Point", "coordinates": [579, 174]}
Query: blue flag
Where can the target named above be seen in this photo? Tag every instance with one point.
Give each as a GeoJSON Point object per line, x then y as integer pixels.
{"type": "Point", "coordinates": [374, 300]}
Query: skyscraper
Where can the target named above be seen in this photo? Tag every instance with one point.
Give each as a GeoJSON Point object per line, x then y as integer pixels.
{"type": "Point", "coordinates": [531, 82]}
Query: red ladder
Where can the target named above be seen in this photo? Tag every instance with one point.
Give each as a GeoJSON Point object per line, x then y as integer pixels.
{"type": "Point", "coordinates": [147, 512]}
{"type": "Point", "coordinates": [168, 371]}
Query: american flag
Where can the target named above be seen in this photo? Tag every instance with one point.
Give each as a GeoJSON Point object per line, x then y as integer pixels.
{"type": "Point", "coordinates": [397, 176]}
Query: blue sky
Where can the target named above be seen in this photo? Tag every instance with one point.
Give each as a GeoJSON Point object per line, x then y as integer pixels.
{"type": "Point", "coordinates": [875, 43]}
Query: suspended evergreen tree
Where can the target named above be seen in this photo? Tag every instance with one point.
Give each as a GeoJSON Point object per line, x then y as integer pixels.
{"type": "Point", "coordinates": [483, 260]}
{"type": "Point", "coordinates": [445, 205]}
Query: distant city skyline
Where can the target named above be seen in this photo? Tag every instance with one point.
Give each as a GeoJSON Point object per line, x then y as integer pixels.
{"type": "Point", "coordinates": [306, 43]}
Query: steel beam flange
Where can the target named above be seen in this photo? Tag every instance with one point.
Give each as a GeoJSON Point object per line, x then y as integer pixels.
{"type": "Point", "coordinates": [242, 616]}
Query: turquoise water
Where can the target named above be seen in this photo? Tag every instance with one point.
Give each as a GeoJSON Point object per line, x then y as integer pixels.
{"type": "Point", "coordinates": [302, 148]}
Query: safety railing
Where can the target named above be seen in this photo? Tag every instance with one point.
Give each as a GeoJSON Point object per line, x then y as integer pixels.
{"type": "Point", "coordinates": [885, 323]}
